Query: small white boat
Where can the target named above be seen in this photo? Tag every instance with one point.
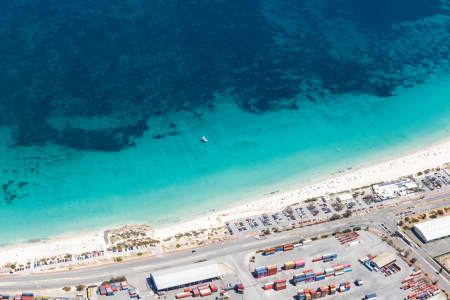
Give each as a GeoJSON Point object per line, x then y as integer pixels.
{"type": "Point", "coordinates": [204, 139]}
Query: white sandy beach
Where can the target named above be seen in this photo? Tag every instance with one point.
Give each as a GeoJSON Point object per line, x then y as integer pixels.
{"type": "Point", "coordinates": [430, 157]}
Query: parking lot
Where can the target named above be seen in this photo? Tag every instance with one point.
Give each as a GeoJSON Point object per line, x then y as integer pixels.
{"type": "Point", "coordinates": [323, 208]}
{"type": "Point", "coordinates": [314, 210]}
{"type": "Point", "coordinates": [374, 281]}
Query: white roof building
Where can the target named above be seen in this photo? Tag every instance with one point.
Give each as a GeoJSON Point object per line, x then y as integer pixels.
{"type": "Point", "coordinates": [185, 275]}
{"type": "Point", "coordinates": [345, 197]}
{"type": "Point", "coordinates": [434, 229]}
{"type": "Point", "coordinates": [394, 188]}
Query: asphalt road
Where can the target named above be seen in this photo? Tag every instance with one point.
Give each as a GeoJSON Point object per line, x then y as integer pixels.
{"type": "Point", "coordinates": [144, 266]}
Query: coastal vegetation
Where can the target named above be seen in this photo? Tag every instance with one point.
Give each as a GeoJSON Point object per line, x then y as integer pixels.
{"type": "Point", "coordinates": [80, 287]}
{"type": "Point", "coordinates": [115, 280]}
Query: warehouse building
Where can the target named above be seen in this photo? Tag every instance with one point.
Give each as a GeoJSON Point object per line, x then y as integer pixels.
{"type": "Point", "coordinates": [384, 259]}
{"type": "Point", "coordinates": [178, 277]}
{"type": "Point", "coordinates": [433, 230]}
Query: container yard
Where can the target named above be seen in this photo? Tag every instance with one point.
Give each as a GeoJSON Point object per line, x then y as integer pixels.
{"type": "Point", "coordinates": [331, 267]}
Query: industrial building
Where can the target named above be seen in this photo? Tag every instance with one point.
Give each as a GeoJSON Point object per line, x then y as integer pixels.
{"type": "Point", "coordinates": [433, 230]}
{"type": "Point", "coordinates": [178, 277]}
{"type": "Point", "coordinates": [384, 259]}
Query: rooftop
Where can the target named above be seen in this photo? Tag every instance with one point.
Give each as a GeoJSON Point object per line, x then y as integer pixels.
{"type": "Point", "coordinates": [434, 229]}
{"type": "Point", "coordinates": [384, 259]}
{"type": "Point", "coordinates": [186, 274]}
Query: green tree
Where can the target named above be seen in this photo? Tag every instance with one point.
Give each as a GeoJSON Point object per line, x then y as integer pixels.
{"type": "Point", "coordinates": [80, 287]}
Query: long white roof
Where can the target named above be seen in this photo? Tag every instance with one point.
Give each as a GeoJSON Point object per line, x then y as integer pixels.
{"type": "Point", "coordinates": [434, 229]}
{"type": "Point", "coordinates": [186, 274]}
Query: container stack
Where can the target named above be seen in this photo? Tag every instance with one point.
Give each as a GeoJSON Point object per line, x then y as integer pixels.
{"type": "Point", "coordinates": [213, 287]}
{"type": "Point", "coordinates": [316, 259]}
{"type": "Point", "coordinates": [260, 272]}
{"type": "Point", "coordinates": [205, 292]}
{"type": "Point", "coordinates": [288, 247]}
{"type": "Point", "coordinates": [124, 285]}
{"type": "Point", "coordinates": [268, 286]}
{"type": "Point", "coordinates": [359, 282]}
{"type": "Point", "coordinates": [299, 263]}
{"type": "Point", "coordinates": [272, 270]}
{"type": "Point", "coordinates": [329, 272]}
{"type": "Point", "coordinates": [239, 288]}
{"type": "Point", "coordinates": [289, 265]}
{"type": "Point", "coordinates": [114, 287]}
{"type": "Point", "coordinates": [279, 285]}
{"type": "Point", "coordinates": [347, 237]}
{"type": "Point", "coordinates": [27, 296]}
{"type": "Point", "coordinates": [320, 276]}
{"type": "Point", "coordinates": [269, 251]}
{"type": "Point", "coordinates": [182, 295]}
{"type": "Point", "coordinates": [320, 292]}
{"type": "Point", "coordinates": [332, 289]}
{"type": "Point", "coordinates": [347, 286]}
{"type": "Point", "coordinates": [195, 292]}
{"type": "Point", "coordinates": [309, 275]}
{"type": "Point", "coordinates": [329, 257]}
{"type": "Point", "coordinates": [347, 268]}
{"type": "Point", "coordinates": [109, 291]}
{"type": "Point", "coordinates": [338, 270]}
{"type": "Point", "coordinates": [298, 278]}
{"type": "Point", "coordinates": [133, 293]}
{"type": "Point", "coordinates": [323, 290]}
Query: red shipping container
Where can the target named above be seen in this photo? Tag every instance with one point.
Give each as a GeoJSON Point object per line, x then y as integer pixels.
{"type": "Point", "coordinates": [182, 295]}
{"type": "Point", "coordinates": [213, 287]}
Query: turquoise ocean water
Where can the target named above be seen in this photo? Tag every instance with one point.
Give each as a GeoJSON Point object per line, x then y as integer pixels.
{"type": "Point", "coordinates": [248, 155]}
{"type": "Point", "coordinates": [103, 103]}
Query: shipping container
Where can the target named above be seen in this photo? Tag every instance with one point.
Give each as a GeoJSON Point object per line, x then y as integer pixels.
{"type": "Point", "coordinates": [268, 286]}
{"type": "Point", "coordinates": [124, 285]}
{"type": "Point", "coordinates": [371, 296]}
{"type": "Point", "coordinates": [205, 292]}
{"type": "Point", "coordinates": [280, 286]}
{"type": "Point", "coordinates": [289, 265]}
{"type": "Point", "coordinates": [213, 287]}
{"type": "Point", "coordinates": [195, 293]}
{"type": "Point", "coordinates": [182, 295]}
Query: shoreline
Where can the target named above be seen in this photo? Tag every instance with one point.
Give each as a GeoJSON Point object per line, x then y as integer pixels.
{"type": "Point", "coordinates": [76, 243]}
